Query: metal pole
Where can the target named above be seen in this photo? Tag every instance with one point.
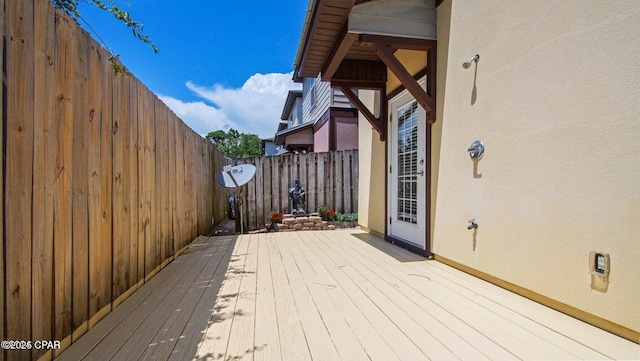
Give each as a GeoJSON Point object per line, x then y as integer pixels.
{"type": "Point", "coordinates": [241, 212]}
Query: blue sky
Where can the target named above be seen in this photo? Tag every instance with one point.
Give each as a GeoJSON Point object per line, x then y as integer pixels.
{"type": "Point", "coordinates": [221, 64]}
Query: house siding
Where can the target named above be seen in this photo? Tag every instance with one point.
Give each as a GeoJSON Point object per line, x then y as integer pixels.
{"type": "Point", "coordinates": [311, 112]}
{"type": "Point", "coordinates": [325, 97]}
{"type": "Point", "coordinates": [339, 100]}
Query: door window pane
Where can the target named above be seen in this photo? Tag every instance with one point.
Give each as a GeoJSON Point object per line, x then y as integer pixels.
{"type": "Point", "coordinates": [408, 163]}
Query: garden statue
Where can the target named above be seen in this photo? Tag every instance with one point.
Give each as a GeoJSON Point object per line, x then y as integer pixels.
{"type": "Point", "coordinates": [296, 194]}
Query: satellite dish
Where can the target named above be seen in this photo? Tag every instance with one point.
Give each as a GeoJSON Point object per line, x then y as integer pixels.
{"type": "Point", "coordinates": [237, 176]}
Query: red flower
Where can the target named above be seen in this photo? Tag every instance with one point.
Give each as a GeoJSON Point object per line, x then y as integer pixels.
{"type": "Point", "coordinates": [276, 217]}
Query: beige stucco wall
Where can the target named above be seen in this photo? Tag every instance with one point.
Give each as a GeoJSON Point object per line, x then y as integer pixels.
{"type": "Point", "coordinates": [412, 60]}
{"type": "Point", "coordinates": [555, 98]}
{"type": "Point", "coordinates": [371, 163]}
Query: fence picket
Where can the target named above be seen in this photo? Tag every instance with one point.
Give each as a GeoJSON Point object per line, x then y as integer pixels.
{"type": "Point", "coordinates": [122, 183]}
{"type": "Point", "coordinates": [45, 145]}
{"type": "Point", "coordinates": [321, 174]}
{"type": "Point", "coordinates": [312, 161]}
{"type": "Point", "coordinates": [346, 179]}
{"type": "Point", "coordinates": [2, 142]}
{"type": "Point", "coordinates": [259, 200]}
{"type": "Point", "coordinates": [121, 188]}
{"type": "Point", "coordinates": [80, 180]}
{"type": "Point", "coordinates": [62, 226]}
{"type": "Point", "coordinates": [338, 182]}
{"type": "Point", "coordinates": [19, 125]}
{"type": "Point", "coordinates": [320, 183]}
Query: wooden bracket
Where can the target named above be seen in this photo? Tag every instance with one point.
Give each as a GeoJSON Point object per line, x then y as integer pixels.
{"type": "Point", "coordinates": [426, 99]}
{"type": "Point", "coordinates": [378, 123]}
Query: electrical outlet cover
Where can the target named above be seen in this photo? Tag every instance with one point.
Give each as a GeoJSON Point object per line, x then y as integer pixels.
{"type": "Point", "coordinates": [599, 263]}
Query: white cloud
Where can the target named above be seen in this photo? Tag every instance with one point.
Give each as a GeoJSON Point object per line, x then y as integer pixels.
{"type": "Point", "coordinates": [202, 118]}
{"type": "Point", "coordinates": [254, 108]}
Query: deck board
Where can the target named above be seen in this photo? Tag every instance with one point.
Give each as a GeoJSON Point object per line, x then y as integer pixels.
{"type": "Point", "coordinates": [164, 342]}
{"type": "Point", "coordinates": [600, 343]}
{"type": "Point", "coordinates": [293, 343]}
{"type": "Point", "coordinates": [342, 336]}
{"type": "Point", "coordinates": [267, 341]}
{"type": "Point", "coordinates": [215, 340]}
{"type": "Point", "coordinates": [331, 295]}
{"type": "Point", "coordinates": [358, 293]}
{"type": "Point", "coordinates": [517, 326]}
{"type": "Point", "coordinates": [198, 322]}
{"type": "Point", "coordinates": [391, 282]}
{"type": "Point", "coordinates": [374, 344]}
{"type": "Point", "coordinates": [404, 277]}
{"type": "Point", "coordinates": [241, 337]}
{"type": "Point", "coordinates": [321, 345]}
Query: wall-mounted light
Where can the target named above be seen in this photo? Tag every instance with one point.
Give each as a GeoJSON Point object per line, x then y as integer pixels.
{"type": "Point", "coordinates": [467, 64]}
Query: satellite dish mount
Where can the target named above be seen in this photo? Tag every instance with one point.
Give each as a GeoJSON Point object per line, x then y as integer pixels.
{"type": "Point", "coordinates": [236, 177]}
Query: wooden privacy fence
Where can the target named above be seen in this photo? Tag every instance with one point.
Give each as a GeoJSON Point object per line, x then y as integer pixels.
{"type": "Point", "coordinates": [330, 179]}
{"type": "Point", "coordinates": [102, 184]}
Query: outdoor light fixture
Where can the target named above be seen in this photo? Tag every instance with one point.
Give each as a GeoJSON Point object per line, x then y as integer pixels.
{"type": "Point", "coordinates": [467, 64]}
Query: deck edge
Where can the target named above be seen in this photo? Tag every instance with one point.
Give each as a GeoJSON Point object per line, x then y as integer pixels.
{"type": "Point", "coordinates": [574, 312]}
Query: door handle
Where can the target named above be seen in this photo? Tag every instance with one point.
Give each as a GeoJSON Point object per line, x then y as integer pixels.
{"type": "Point", "coordinates": [420, 173]}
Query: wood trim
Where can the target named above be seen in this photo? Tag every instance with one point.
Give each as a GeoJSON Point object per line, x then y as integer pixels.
{"type": "Point", "coordinates": [311, 26]}
{"type": "Point", "coordinates": [369, 230]}
{"type": "Point", "coordinates": [323, 119]}
{"type": "Point", "coordinates": [378, 123]}
{"type": "Point", "coordinates": [428, 140]}
{"type": "Point", "coordinates": [408, 246]}
{"type": "Point", "coordinates": [398, 42]}
{"type": "Point", "coordinates": [432, 63]}
{"type": "Point", "coordinates": [419, 75]}
{"type": "Point", "coordinates": [100, 315]}
{"type": "Point", "coordinates": [430, 73]}
{"type": "Point", "coordinates": [300, 147]}
{"type": "Point", "coordinates": [332, 133]}
{"type": "Point", "coordinates": [343, 112]}
{"type": "Point", "coordinates": [358, 84]}
{"type": "Point", "coordinates": [403, 75]}
{"type": "Point", "coordinates": [337, 53]}
{"type": "Point", "coordinates": [581, 315]}
{"type": "Point", "coordinates": [429, 175]}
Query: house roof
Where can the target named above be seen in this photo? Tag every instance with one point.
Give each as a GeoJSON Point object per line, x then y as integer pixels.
{"type": "Point", "coordinates": [289, 102]}
{"type": "Point", "coordinates": [322, 25]}
{"type": "Point", "coordinates": [282, 134]}
{"type": "Point", "coordinates": [324, 37]}
{"type": "Point", "coordinates": [352, 43]}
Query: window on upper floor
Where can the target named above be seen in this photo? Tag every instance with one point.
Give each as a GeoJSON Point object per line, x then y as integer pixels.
{"type": "Point", "coordinates": [294, 117]}
{"type": "Point", "coordinates": [312, 92]}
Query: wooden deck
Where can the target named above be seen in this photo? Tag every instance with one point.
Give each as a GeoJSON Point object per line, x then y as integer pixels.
{"type": "Point", "coordinates": [332, 295]}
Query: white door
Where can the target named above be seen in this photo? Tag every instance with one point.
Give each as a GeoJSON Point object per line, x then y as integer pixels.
{"type": "Point", "coordinates": [407, 178]}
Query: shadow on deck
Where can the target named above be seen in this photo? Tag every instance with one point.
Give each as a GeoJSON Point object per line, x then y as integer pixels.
{"type": "Point", "coordinates": [167, 317]}
{"type": "Point", "coordinates": [331, 295]}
